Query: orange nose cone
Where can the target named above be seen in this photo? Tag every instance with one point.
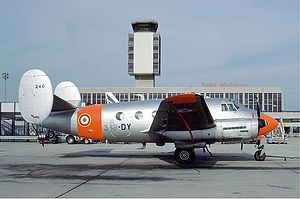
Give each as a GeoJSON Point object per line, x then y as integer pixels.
{"type": "Point", "coordinates": [271, 124]}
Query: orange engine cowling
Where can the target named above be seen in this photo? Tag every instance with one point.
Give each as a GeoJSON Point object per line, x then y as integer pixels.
{"type": "Point", "coordinates": [269, 125]}
{"type": "Point", "coordinates": [89, 122]}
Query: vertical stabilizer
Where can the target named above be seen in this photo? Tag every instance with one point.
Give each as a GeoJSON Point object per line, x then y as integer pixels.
{"type": "Point", "coordinates": [35, 96]}
{"type": "Point", "coordinates": [69, 92]}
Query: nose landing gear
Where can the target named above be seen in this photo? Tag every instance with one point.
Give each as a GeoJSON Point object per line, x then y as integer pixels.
{"type": "Point", "coordinates": [260, 155]}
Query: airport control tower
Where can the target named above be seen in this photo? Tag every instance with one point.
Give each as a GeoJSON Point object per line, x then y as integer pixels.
{"type": "Point", "coordinates": [144, 46]}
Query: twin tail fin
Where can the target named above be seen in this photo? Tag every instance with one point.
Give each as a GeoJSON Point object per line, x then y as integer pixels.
{"type": "Point", "coordinates": [37, 100]}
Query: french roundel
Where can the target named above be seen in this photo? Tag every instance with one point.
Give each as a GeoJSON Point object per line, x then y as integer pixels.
{"type": "Point", "coordinates": [84, 120]}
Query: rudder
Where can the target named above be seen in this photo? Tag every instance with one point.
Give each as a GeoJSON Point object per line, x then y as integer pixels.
{"type": "Point", "coordinates": [35, 96]}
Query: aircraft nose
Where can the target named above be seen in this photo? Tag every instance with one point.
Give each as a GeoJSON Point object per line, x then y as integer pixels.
{"type": "Point", "coordinates": [270, 124]}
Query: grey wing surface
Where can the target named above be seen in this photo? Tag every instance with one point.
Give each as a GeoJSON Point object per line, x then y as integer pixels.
{"type": "Point", "coordinates": [181, 113]}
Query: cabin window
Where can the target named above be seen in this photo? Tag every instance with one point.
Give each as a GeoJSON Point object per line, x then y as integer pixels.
{"type": "Point", "coordinates": [224, 107]}
{"type": "Point", "coordinates": [236, 104]}
{"type": "Point", "coordinates": [138, 115]}
{"type": "Point", "coordinates": [120, 116]}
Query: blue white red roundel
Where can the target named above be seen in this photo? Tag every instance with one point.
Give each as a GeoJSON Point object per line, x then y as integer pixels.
{"type": "Point", "coordinates": [84, 120]}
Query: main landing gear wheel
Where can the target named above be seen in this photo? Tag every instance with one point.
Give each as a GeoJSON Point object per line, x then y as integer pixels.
{"type": "Point", "coordinates": [70, 139]}
{"type": "Point", "coordinates": [86, 141]}
{"type": "Point", "coordinates": [184, 156]}
{"type": "Point", "coordinates": [259, 155]}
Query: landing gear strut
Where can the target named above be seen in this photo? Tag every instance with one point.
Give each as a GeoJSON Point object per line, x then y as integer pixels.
{"type": "Point", "coordinates": [184, 156]}
{"type": "Point", "coordinates": [206, 149]}
{"type": "Point", "coordinates": [260, 155]}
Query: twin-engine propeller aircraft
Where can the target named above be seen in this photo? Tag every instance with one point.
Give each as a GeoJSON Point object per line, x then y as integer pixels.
{"type": "Point", "coordinates": [187, 120]}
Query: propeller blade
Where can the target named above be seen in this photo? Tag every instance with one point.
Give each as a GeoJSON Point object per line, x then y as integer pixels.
{"type": "Point", "coordinates": [258, 141]}
{"type": "Point", "coordinates": [258, 116]}
{"type": "Point", "coordinates": [258, 109]}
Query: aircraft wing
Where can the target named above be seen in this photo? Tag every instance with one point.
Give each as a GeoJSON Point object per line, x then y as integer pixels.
{"type": "Point", "coordinates": [181, 113]}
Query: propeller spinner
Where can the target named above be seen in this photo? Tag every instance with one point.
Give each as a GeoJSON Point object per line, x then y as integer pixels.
{"type": "Point", "coordinates": [266, 123]}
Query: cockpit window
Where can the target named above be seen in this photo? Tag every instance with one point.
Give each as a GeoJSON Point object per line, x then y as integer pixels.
{"type": "Point", "coordinates": [231, 107]}
{"type": "Point", "coordinates": [224, 107]}
{"type": "Point", "coordinates": [236, 104]}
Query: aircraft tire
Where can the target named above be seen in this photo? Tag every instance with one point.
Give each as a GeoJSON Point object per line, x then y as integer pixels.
{"type": "Point", "coordinates": [259, 157]}
{"type": "Point", "coordinates": [54, 141]}
{"type": "Point", "coordinates": [86, 141]}
{"type": "Point", "coordinates": [70, 139]}
{"type": "Point", "coordinates": [184, 156]}
{"type": "Point", "coordinates": [51, 134]}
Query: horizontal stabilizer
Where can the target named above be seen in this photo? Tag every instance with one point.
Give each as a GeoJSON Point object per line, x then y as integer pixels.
{"type": "Point", "coordinates": [61, 105]}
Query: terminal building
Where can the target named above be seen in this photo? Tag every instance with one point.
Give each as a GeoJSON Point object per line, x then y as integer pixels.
{"type": "Point", "coordinates": [270, 98]}
{"type": "Point", "coordinates": [144, 63]}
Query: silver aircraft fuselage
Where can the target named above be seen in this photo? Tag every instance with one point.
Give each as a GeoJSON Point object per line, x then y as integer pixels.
{"type": "Point", "coordinates": [131, 122]}
{"type": "Point", "coordinates": [136, 118]}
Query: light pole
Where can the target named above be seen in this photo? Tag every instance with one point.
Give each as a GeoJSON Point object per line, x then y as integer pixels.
{"type": "Point", "coordinates": [5, 76]}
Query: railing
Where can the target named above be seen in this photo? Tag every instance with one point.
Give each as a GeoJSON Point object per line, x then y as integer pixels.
{"type": "Point", "coordinates": [19, 137]}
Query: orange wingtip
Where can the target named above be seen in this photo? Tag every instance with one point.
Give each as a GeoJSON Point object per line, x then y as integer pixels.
{"type": "Point", "coordinates": [182, 99]}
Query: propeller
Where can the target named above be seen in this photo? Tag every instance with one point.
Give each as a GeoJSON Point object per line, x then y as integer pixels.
{"type": "Point", "coordinates": [261, 122]}
{"type": "Point", "coordinates": [258, 108]}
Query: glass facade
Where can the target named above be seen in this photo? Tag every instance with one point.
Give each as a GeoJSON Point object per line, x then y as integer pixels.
{"type": "Point", "coordinates": [268, 102]}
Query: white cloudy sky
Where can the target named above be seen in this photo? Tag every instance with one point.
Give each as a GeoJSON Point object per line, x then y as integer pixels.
{"type": "Point", "coordinates": [85, 41]}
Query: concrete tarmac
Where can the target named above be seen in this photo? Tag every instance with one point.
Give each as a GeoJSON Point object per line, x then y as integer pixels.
{"type": "Point", "coordinates": [123, 170]}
